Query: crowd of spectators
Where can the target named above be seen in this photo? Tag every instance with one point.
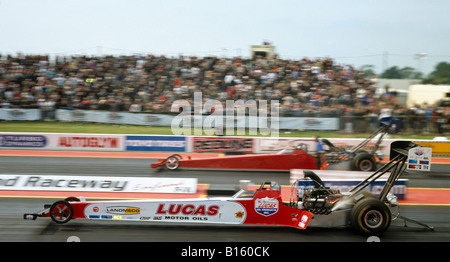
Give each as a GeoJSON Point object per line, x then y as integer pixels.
{"type": "Point", "coordinates": [150, 84]}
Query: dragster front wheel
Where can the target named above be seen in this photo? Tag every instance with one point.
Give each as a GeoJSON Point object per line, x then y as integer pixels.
{"type": "Point", "coordinates": [61, 212]}
{"type": "Point", "coordinates": [172, 163]}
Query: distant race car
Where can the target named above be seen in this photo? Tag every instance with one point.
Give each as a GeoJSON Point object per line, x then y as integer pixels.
{"type": "Point", "coordinates": [291, 158]}
{"type": "Point", "coordinates": [313, 206]}
{"type": "Point", "coordinates": [285, 160]}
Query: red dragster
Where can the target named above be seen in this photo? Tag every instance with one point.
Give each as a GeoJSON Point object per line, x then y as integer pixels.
{"type": "Point", "coordinates": [265, 207]}
{"type": "Point", "coordinates": [282, 161]}
{"type": "Point", "coordinates": [311, 204]}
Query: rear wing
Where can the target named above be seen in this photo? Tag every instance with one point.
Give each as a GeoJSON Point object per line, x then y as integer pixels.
{"type": "Point", "coordinates": [418, 157]}
{"type": "Point", "coordinates": [403, 155]}
{"type": "Point", "coordinates": [400, 148]}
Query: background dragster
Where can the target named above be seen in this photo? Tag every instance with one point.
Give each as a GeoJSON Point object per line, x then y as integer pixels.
{"type": "Point", "coordinates": [292, 158]}
{"type": "Point", "coordinates": [314, 205]}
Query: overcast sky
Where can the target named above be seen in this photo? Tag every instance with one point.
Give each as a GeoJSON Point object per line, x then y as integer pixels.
{"type": "Point", "coordinates": [356, 32]}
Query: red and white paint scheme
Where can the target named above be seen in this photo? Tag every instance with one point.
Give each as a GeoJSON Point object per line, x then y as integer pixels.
{"type": "Point", "coordinates": [263, 207]}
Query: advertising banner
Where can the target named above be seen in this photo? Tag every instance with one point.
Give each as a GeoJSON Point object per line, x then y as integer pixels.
{"type": "Point", "coordinates": [114, 117]}
{"type": "Point", "coordinates": [222, 144]}
{"type": "Point", "coordinates": [98, 184]}
{"type": "Point", "coordinates": [156, 143]}
{"type": "Point", "coordinates": [296, 123]}
{"type": "Point", "coordinates": [309, 123]}
{"type": "Point", "coordinates": [86, 142]}
{"type": "Point", "coordinates": [19, 114]}
{"type": "Point", "coordinates": [23, 141]}
{"type": "Point", "coordinates": [438, 147]}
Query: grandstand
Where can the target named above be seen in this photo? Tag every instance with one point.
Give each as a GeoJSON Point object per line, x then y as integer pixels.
{"type": "Point", "coordinates": [307, 87]}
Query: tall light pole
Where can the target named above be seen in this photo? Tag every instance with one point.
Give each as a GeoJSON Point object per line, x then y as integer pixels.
{"type": "Point", "coordinates": [420, 57]}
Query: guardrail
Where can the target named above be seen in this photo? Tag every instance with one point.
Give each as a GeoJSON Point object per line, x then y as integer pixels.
{"type": "Point", "coordinates": [346, 123]}
{"type": "Point", "coordinates": [195, 144]}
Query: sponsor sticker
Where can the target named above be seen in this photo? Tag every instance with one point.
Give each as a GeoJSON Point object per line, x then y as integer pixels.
{"type": "Point", "coordinates": [266, 206]}
{"type": "Point", "coordinates": [419, 158]}
{"type": "Point", "coordinates": [239, 214]}
{"type": "Point", "coordinates": [122, 210]}
{"type": "Point", "coordinates": [303, 221]}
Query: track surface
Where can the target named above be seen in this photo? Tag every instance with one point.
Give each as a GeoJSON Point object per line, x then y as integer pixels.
{"type": "Point", "coordinates": [14, 228]}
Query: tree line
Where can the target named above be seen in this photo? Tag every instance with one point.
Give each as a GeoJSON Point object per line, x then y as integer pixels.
{"type": "Point", "coordinates": [439, 76]}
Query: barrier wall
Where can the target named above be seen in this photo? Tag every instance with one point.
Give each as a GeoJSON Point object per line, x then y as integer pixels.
{"type": "Point", "coordinates": [305, 123]}
{"type": "Point", "coordinates": [161, 143]}
{"type": "Point", "coordinates": [98, 184]}
{"type": "Point", "coordinates": [198, 144]}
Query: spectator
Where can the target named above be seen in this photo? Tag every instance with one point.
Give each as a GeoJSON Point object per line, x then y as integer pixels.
{"type": "Point", "coordinates": [320, 153]}
{"type": "Point", "coordinates": [136, 107]}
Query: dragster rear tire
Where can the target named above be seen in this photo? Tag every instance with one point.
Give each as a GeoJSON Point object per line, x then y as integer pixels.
{"type": "Point", "coordinates": [370, 216]}
{"type": "Point", "coordinates": [364, 161]}
{"type": "Point", "coordinates": [61, 212]}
